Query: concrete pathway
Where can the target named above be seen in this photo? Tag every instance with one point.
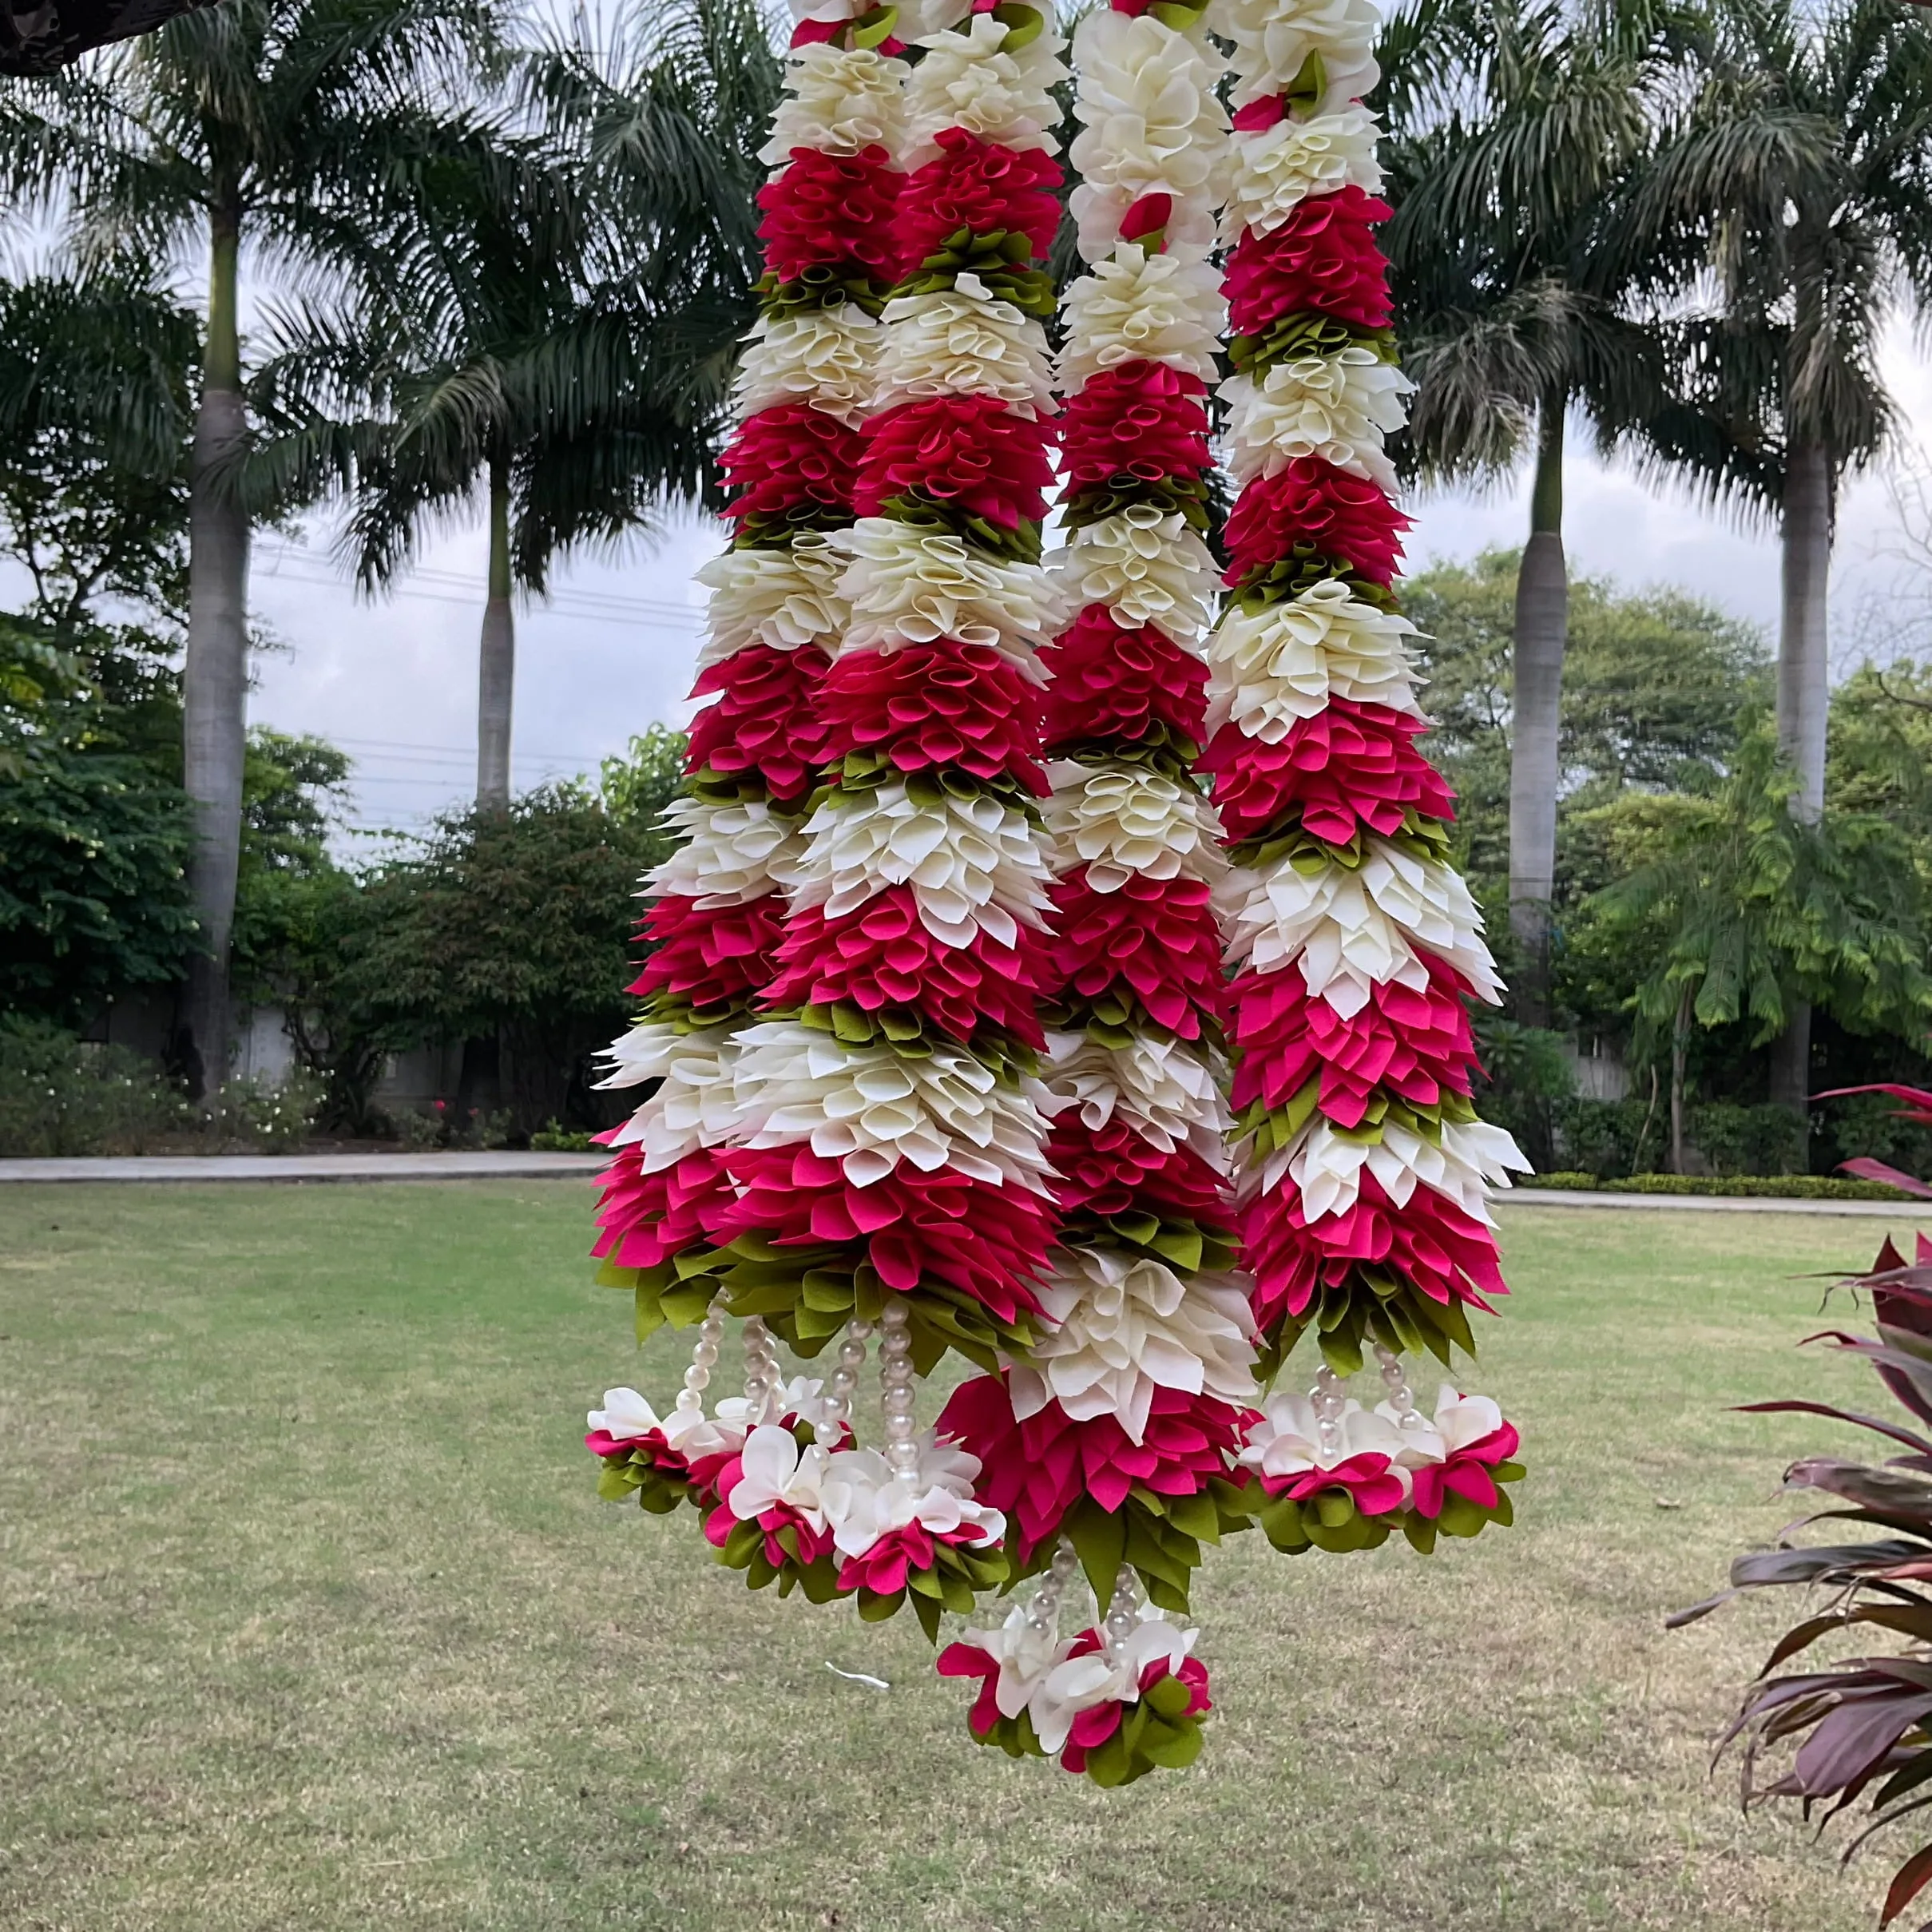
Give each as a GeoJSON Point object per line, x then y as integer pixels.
{"type": "Point", "coordinates": [561, 1167]}
{"type": "Point", "coordinates": [499, 1166]}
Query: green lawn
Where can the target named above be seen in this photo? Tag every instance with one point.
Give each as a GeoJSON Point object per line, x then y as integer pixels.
{"type": "Point", "coordinates": [309, 1618]}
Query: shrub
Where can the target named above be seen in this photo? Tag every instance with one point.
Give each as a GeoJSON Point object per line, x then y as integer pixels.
{"type": "Point", "coordinates": [274, 1116]}
{"type": "Point", "coordinates": [61, 1096]}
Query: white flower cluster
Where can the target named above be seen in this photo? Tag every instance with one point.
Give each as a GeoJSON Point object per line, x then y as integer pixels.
{"type": "Point", "coordinates": [1327, 1163]}
{"type": "Point", "coordinates": [1274, 170]}
{"type": "Point", "coordinates": [1127, 1325]}
{"type": "Point", "coordinates": [907, 585]}
{"type": "Point", "coordinates": [863, 1500]}
{"type": "Point", "coordinates": [788, 598]}
{"type": "Point", "coordinates": [1136, 306]}
{"type": "Point", "coordinates": [964, 341]}
{"type": "Point", "coordinates": [1285, 1438]}
{"type": "Point", "coordinates": [693, 1106]}
{"type": "Point", "coordinates": [969, 80]}
{"type": "Point", "coordinates": [731, 853]}
{"type": "Point", "coordinates": [1271, 667]}
{"type": "Point", "coordinates": [839, 100]}
{"type": "Point", "coordinates": [1039, 1675]}
{"type": "Point", "coordinates": [1147, 565]}
{"type": "Point", "coordinates": [626, 1416]}
{"type": "Point", "coordinates": [1153, 124]}
{"type": "Point", "coordinates": [1272, 43]}
{"type": "Point", "coordinates": [1350, 929]}
{"type": "Point", "coordinates": [1164, 1091]}
{"type": "Point", "coordinates": [822, 356]}
{"type": "Point", "coordinates": [1338, 407]}
{"type": "Point", "coordinates": [1118, 820]}
{"type": "Point", "coordinates": [973, 863]}
{"type": "Point", "coordinates": [870, 1108]}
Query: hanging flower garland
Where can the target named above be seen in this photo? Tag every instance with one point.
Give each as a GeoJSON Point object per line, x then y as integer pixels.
{"type": "Point", "coordinates": [1363, 1171]}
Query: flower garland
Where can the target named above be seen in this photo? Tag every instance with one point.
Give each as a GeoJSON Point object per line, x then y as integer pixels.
{"type": "Point", "coordinates": [1363, 1171]}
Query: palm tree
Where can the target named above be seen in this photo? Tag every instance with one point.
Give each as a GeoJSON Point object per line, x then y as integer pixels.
{"type": "Point", "coordinates": [276, 125]}
{"type": "Point", "coordinates": [1521, 290]}
{"type": "Point", "coordinates": [1802, 165]}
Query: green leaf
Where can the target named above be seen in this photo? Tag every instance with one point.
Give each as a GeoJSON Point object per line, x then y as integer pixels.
{"type": "Point", "coordinates": [1099, 1540]}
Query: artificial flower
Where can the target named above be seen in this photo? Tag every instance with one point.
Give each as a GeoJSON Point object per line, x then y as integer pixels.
{"type": "Point", "coordinates": [774, 1481]}
{"type": "Point", "coordinates": [1369, 1455]}
{"type": "Point", "coordinates": [905, 584]}
{"type": "Point", "coordinates": [832, 211]}
{"type": "Point", "coordinates": [966, 452]}
{"type": "Point", "coordinates": [732, 852]}
{"type": "Point", "coordinates": [871, 1109]}
{"type": "Point", "coordinates": [822, 356]}
{"type": "Point", "coordinates": [1161, 1087]}
{"type": "Point", "coordinates": [649, 1216]}
{"type": "Point", "coordinates": [1271, 667]}
{"type": "Point", "coordinates": [1272, 44]}
{"type": "Point", "coordinates": [1012, 1663]}
{"type": "Point", "coordinates": [1113, 1170]}
{"type": "Point", "coordinates": [1137, 306]}
{"type": "Point", "coordinates": [1153, 938]}
{"type": "Point", "coordinates": [1321, 259]}
{"type": "Point", "coordinates": [764, 721]}
{"type": "Point", "coordinates": [1474, 1438]}
{"type": "Point", "coordinates": [788, 456]}
{"type": "Point", "coordinates": [971, 79]}
{"type": "Point", "coordinates": [708, 957]}
{"type": "Point", "coordinates": [690, 1106]}
{"type": "Point", "coordinates": [1312, 506]}
{"type": "Point", "coordinates": [1272, 170]}
{"type": "Point", "coordinates": [1117, 822]}
{"type": "Point", "coordinates": [786, 597]}
{"type": "Point", "coordinates": [867, 1504]}
{"type": "Point", "coordinates": [1112, 680]}
{"type": "Point", "coordinates": [1337, 407]}
{"type": "Point", "coordinates": [1142, 419]}
{"type": "Point", "coordinates": [962, 341]}
{"type": "Point", "coordinates": [1146, 564]}
{"type": "Point", "coordinates": [972, 863]}
{"type": "Point", "coordinates": [980, 187]}
{"type": "Point", "coordinates": [838, 100]}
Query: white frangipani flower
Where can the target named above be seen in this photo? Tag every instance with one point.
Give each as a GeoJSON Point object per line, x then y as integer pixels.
{"type": "Point", "coordinates": [1268, 667]}
{"type": "Point", "coordinates": [838, 100]}
{"type": "Point", "coordinates": [1276, 169]}
{"type": "Point", "coordinates": [822, 356]}
{"type": "Point", "coordinates": [732, 852]}
{"type": "Point", "coordinates": [973, 863]}
{"type": "Point", "coordinates": [1126, 1325]}
{"type": "Point", "coordinates": [778, 1474]}
{"type": "Point", "coordinates": [963, 341]}
{"type": "Point", "coordinates": [1135, 306]}
{"type": "Point", "coordinates": [1461, 1420]}
{"type": "Point", "coordinates": [1078, 1683]}
{"type": "Point", "coordinates": [1338, 407]}
{"type": "Point", "coordinates": [970, 80]}
{"type": "Point", "coordinates": [692, 1106]}
{"type": "Point", "coordinates": [1463, 1164]}
{"type": "Point", "coordinates": [908, 585]}
{"type": "Point", "coordinates": [1148, 566]}
{"type": "Point", "coordinates": [870, 1108]}
{"type": "Point", "coordinates": [1352, 928]}
{"type": "Point", "coordinates": [626, 1416]}
{"type": "Point", "coordinates": [1285, 1439]}
{"type": "Point", "coordinates": [805, 1397]}
{"type": "Point", "coordinates": [787, 598]}
{"type": "Point", "coordinates": [1024, 1656]}
{"type": "Point", "coordinates": [1152, 125]}
{"type": "Point", "coordinates": [1165, 1091]}
{"type": "Point", "coordinates": [1119, 821]}
{"type": "Point", "coordinates": [1272, 43]}
{"type": "Point", "coordinates": [864, 1500]}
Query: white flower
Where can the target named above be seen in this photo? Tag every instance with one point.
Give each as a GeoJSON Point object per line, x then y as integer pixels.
{"type": "Point", "coordinates": [837, 100]}
{"type": "Point", "coordinates": [1126, 1325]}
{"type": "Point", "coordinates": [863, 1500]}
{"type": "Point", "coordinates": [1272, 43]}
{"type": "Point", "coordinates": [1078, 1684]}
{"type": "Point", "coordinates": [1137, 306]}
{"type": "Point", "coordinates": [788, 598]}
{"type": "Point", "coordinates": [692, 1107]}
{"type": "Point", "coordinates": [822, 356]}
{"type": "Point", "coordinates": [732, 854]}
{"type": "Point", "coordinates": [973, 863]}
{"type": "Point", "coordinates": [869, 1108]}
{"type": "Point", "coordinates": [1274, 170]}
{"type": "Point", "coordinates": [1149, 567]}
{"type": "Point", "coordinates": [1152, 124]}
{"type": "Point", "coordinates": [1269, 667]}
{"type": "Point", "coordinates": [1285, 1439]}
{"type": "Point", "coordinates": [1351, 929]}
{"type": "Point", "coordinates": [1461, 1420]}
{"type": "Point", "coordinates": [1163, 1089]}
{"type": "Point", "coordinates": [1327, 1163]}
{"type": "Point", "coordinates": [1338, 407]}
{"type": "Point", "coordinates": [907, 585]}
{"type": "Point", "coordinates": [778, 1474]}
{"type": "Point", "coordinates": [964, 341]}
{"type": "Point", "coordinates": [625, 1416]}
{"type": "Point", "coordinates": [1124, 820]}
{"type": "Point", "coordinates": [1024, 1656]}
{"type": "Point", "coordinates": [969, 80]}
{"type": "Point", "coordinates": [805, 1396]}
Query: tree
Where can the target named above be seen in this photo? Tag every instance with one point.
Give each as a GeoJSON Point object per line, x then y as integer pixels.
{"type": "Point", "coordinates": [1519, 281]}
{"type": "Point", "coordinates": [1802, 164]}
{"type": "Point", "coordinates": [274, 125]}
{"type": "Point", "coordinates": [37, 39]}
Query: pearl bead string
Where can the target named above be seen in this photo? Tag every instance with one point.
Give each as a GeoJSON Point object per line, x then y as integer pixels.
{"type": "Point", "coordinates": [1043, 1612]}
{"type": "Point", "coordinates": [1123, 1613]}
{"type": "Point", "coordinates": [845, 1377]}
{"type": "Point", "coordinates": [761, 1373]}
{"type": "Point", "coordinates": [1328, 1397]}
{"type": "Point", "coordinates": [704, 1359]}
{"type": "Point", "coordinates": [1401, 1398]}
{"type": "Point", "coordinates": [896, 1384]}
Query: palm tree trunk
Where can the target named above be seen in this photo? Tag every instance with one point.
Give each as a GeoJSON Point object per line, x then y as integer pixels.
{"type": "Point", "coordinates": [1803, 705]}
{"type": "Point", "coordinates": [214, 685]}
{"type": "Point", "coordinates": [1542, 627]}
{"type": "Point", "coordinates": [497, 670]}
{"type": "Point", "coordinates": [1679, 1037]}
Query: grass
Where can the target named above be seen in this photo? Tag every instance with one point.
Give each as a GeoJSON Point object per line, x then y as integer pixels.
{"type": "Point", "coordinates": [312, 1619]}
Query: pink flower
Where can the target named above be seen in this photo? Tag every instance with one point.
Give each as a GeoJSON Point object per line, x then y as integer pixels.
{"type": "Point", "coordinates": [783, 458]}
{"type": "Point", "coordinates": [1112, 1170]}
{"type": "Point", "coordinates": [1142, 419]}
{"type": "Point", "coordinates": [981, 187]}
{"type": "Point", "coordinates": [1155, 939]}
{"type": "Point", "coordinates": [764, 720]}
{"type": "Point", "coordinates": [1465, 1473]}
{"type": "Point", "coordinates": [832, 211]}
{"type": "Point", "coordinates": [1312, 509]}
{"type": "Point", "coordinates": [1112, 682]}
{"type": "Point", "coordinates": [1323, 260]}
{"type": "Point", "coordinates": [709, 954]}
{"type": "Point", "coordinates": [965, 453]}
{"type": "Point", "coordinates": [649, 1218]}
{"type": "Point", "coordinates": [969, 1661]}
